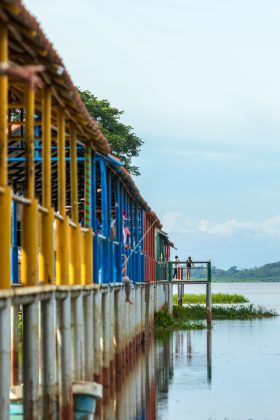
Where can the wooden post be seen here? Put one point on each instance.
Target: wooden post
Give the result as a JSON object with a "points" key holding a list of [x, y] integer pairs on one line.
{"points": [[62, 227], [147, 312], [106, 341], [170, 298], [209, 296], [5, 198], [48, 357], [118, 307], [30, 365], [75, 273], [14, 346], [29, 266], [77, 326], [112, 338], [89, 335], [209, 355], [97, 327], [47, 244], [5, 350], [3, 108], [64, 357]]}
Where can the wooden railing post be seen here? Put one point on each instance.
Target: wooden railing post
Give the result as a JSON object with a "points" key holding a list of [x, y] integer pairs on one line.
{"points": [[47, 232], [62, 226], [209, 295]]}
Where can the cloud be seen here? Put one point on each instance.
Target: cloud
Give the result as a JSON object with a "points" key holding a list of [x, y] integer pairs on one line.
{"points": [[176, 222], [208, 155]]}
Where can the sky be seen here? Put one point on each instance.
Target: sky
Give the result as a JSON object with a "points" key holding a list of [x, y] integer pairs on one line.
{"points": [[198, 81]]}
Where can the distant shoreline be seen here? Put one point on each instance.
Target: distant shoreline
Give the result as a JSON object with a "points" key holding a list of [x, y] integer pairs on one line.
{"points": [[234, 280]]}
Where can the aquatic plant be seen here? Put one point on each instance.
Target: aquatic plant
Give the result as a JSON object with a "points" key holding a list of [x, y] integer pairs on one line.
{"points": [[195, 312], [165, 322], [216, 298]]}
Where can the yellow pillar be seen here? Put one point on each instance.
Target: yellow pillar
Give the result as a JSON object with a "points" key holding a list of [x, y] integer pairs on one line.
{"points": [[47, 236], [47, 110], [61, 161], [5, 235], [75, 254], [87, 246], [62, 252], [47, 248], [74, 175], [5, 198], [62, 226], [75, 232], [29, 266], [29, 142], [87, 257], [3, 108]]}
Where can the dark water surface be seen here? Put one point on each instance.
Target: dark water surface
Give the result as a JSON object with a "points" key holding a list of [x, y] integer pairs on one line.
{"points": [[232, 373]]}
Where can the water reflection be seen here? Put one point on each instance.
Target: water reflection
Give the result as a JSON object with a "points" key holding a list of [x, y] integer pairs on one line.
{"points": [[192, 353], [145, 389], [135, 394]]}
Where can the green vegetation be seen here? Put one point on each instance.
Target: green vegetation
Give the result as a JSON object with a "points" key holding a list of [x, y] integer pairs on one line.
{"points": [[123, 141], [165, 322], [216, 298], [190, 317], [268, 272], [198, 312]]}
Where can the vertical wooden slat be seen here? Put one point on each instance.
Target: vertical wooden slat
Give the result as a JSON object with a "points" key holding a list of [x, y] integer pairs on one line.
{"points": [[3, 108], [29, 266], [47, 234], [74, 175], [62, 227]]}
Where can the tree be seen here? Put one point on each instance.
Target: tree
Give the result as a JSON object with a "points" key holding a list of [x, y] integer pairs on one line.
{"points": [[122, 139]]}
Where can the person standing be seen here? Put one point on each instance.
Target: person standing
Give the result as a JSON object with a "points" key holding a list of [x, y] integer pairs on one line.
{"points": [[126, 280], [175, 267], [189, 265]]}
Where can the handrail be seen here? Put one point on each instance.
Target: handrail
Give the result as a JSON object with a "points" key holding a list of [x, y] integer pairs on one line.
{"points": [[194, 262], [21, 200], [104, 238], [43, 209]]}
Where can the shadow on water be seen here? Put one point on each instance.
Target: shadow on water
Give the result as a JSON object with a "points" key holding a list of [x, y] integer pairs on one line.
{"points": [[146, 386]]}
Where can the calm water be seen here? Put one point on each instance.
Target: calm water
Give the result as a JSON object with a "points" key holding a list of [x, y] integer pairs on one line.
{"points": [[233, 373]]}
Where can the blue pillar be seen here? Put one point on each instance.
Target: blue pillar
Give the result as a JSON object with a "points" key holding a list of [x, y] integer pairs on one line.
{"points": [[118, 230], [93, 219], [36, 154], [133, 257], [104, 221], [137, 238], [14, 249], [142, 233], [122, 222], [110, 245], [127, 224]]}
